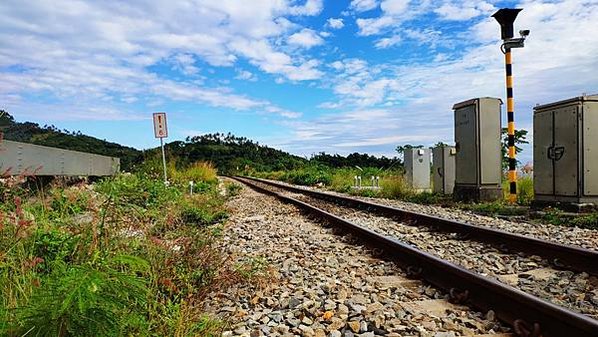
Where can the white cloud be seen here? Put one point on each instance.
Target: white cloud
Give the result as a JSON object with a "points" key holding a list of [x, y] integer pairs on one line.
{"points": [[305, 38], [356, 130], [363, 5], [108, 57], [394, 12], [311, 7], [425, 36], [335, 23], [270, 61], [464, 10], [329, 105], [387, 42], [245, 75], [394, 7], [374, 26], [185, 63]]}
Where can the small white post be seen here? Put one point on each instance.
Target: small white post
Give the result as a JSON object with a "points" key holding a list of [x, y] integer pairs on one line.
{"points": [[191, 187]]}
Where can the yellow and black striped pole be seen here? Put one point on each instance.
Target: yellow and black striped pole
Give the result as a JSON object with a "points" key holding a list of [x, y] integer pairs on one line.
{"points": [[506, 17], [511, 128]]}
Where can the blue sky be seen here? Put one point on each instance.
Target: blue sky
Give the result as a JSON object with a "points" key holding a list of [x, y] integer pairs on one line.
{"points": [[303, 76]]}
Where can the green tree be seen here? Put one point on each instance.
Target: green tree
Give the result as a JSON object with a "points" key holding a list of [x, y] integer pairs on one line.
{"points": [[5, 118], [401, 148], [520, 139]]}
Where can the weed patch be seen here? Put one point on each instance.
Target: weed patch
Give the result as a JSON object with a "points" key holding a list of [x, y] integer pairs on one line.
{"points": [[126, 256]]}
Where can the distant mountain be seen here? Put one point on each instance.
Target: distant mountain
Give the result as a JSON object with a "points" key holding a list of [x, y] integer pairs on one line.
{"points": [[28, 132]]}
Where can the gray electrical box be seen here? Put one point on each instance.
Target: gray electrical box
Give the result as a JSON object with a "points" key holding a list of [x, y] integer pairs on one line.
{"points": [[417, 169], [477, 140], [443, 169], [566, 153]]}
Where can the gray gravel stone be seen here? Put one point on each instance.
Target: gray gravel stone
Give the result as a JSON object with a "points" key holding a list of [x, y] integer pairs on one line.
{"points": [[314, 273]]}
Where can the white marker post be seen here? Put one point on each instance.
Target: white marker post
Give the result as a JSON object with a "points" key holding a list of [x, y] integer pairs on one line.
{"points": [[161, 131]]}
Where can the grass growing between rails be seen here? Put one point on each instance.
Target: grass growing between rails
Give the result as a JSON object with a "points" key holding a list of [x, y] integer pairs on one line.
{"points": [[127, 256]]}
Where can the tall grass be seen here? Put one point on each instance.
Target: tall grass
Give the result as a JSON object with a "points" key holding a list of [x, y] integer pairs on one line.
{"points": [[395, 187], [197, 172], [525, 190], [128, 256]]}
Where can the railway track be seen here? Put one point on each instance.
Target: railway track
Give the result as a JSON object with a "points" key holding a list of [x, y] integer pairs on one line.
{"points": [[527, 313]]}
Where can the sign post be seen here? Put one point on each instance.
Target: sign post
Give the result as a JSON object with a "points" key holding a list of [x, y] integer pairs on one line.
{"points": [[161, 131]]}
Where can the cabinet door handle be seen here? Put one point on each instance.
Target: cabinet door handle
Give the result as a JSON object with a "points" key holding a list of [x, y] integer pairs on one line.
{"points": [[555, 153]]}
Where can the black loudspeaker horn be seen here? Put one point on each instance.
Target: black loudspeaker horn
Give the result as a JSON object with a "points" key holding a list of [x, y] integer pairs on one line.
{"points": [[506, 17]]}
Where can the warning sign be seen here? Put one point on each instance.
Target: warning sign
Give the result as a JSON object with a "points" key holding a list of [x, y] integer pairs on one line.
{"points": [[160, 129]]}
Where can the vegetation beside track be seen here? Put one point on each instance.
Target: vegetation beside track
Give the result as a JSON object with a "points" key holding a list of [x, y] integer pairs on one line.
{"points": [[394, 186], [125, 256], [392, 183]]}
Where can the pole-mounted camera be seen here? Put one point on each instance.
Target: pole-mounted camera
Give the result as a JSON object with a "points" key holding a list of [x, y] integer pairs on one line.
{"points": [[506, 17]]}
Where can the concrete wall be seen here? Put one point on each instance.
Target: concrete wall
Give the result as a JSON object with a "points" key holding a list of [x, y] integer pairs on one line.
{"points": [[27, 159]]}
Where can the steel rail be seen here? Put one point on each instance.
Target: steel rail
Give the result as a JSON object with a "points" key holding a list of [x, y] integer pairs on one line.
{"points": [[511, 305], [571, 257]]}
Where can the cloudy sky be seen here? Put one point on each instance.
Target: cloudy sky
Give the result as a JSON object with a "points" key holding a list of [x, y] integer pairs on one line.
{"points": [[304, 76]]}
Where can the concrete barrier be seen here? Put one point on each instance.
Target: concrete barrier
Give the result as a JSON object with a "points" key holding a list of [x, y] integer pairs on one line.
{"points": [[18, 158]]}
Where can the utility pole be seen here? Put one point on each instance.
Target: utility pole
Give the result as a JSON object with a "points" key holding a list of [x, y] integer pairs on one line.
{"points": [[506, 17]]}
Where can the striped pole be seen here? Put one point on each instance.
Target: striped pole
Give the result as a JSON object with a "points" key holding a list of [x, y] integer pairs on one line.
{"points": [[511, 128]]}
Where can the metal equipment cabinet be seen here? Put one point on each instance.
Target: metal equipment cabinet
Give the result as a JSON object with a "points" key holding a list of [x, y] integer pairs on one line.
{"points": [[477, 140], [566, 153], [443, 169], [417, 167]]}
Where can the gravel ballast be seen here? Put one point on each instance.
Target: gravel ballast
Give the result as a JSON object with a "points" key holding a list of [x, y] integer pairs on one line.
{"points": [[532, 274], [585, 238], [321, 285]]}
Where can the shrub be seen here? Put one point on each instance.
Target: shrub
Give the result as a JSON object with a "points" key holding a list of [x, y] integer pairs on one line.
{"points": [[53, 245], [342, 180], [202, 216], [589, 221], [66, 203], [138, 190], [87, 300], [198, 172], [233, 189], [525, 190], [394, 187], [308, 176]]}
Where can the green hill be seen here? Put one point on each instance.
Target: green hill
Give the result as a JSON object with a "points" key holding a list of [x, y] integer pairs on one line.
{"points": [[230, 153]]}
